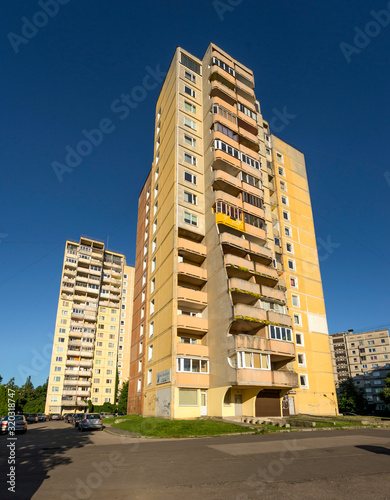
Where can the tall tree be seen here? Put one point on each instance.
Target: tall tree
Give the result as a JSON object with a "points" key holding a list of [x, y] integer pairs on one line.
{"points": [[122, 401], [351, 398], [385, 393]]}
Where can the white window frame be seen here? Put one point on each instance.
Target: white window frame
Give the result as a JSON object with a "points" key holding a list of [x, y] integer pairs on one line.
{"points": [[306, 378]]}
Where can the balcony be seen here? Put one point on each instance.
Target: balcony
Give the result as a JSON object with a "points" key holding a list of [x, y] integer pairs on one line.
{"points": [[75, 342], [221, 90], [234, 244], [226, 182], [228, 198], [247, 122], [256, 232], [278, 350], [252, 314], [82, 373], [196, 380], [256, 191], [224, 161], [81, 383], [191, 298], [252, 209], [266, 275], [279, 319], [193, 274], [216, 70], [238, 267], [191, 250], [267, 378], [273, 294], [248, 139], [84, 362], [237, 224], [244, 291], [191, 324], [192, 349], [260, 253]]}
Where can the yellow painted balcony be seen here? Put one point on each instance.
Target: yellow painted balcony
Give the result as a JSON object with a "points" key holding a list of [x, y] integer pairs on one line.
{"points": [[191, 324], [192, 349], [229, 221], [267, 378], [279, 319], [273, 294], [191, 297]]}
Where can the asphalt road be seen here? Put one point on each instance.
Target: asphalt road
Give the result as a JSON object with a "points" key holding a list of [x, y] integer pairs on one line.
{"points": [[55, 461]]}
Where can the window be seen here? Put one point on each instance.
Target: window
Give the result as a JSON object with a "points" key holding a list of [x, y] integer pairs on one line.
{"points": [[252, 200], [150, 352], [280, 333], [139, 366], [190, 178], [293, 282], [151, 307], [151, 329], [291, 264], [189, 76], [190, 198], [154, 264], [60, 349], [142, 312], [277, 241], [299, 339], [150, 375], [218, 127], [189, 123], [370, 342], [154, 247], [57, 368], [295, 300], [59, 359], [189, 107], [224, 66], [252, 220], [254, 360], [226, 114], [289, 247], [56, 379], [61, 339], [301, 359], [139, 385], [283, 185], [303, 381], [55, 389], [188, 340], [284, 200], [189, 91], [286, 215], [152, 285], [226, 148], [191, 141], [155, 195], [246, 111], [54, 399], [64, 313], [383, 341], [154, 226], [190, 219], [188, 397], [190, 159], [287, 231], [191, 365], [279, 157], [141, 330]]}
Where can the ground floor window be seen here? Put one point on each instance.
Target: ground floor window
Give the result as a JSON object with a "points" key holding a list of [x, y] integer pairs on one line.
{"points": [[188, 397]]}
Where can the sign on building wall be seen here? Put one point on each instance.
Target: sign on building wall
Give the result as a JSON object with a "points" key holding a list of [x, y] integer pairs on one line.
{"points": [[163, 377]]}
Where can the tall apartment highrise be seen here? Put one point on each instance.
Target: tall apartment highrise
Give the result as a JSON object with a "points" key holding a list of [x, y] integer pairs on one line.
{"points": [[364, 357], [93, 327], [229, 315]]}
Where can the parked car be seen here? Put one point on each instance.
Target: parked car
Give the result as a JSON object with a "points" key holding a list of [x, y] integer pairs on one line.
{"points": [[55, 416], [76, 419], [67, 417], [90, 421], [42, 417], [107, 415], [121, 414], [20, 424], [32, 418]]}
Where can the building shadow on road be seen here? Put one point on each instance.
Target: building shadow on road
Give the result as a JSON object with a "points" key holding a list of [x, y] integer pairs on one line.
{"points": [[38, 453], [380, 450]]}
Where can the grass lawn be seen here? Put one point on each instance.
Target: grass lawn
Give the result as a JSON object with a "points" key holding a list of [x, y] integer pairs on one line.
{"points": [[160, 427]]}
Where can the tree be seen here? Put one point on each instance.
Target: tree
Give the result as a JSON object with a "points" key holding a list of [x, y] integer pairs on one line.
{"points": [[385, 393], [351, 398], [90, 406], [122, 400]]}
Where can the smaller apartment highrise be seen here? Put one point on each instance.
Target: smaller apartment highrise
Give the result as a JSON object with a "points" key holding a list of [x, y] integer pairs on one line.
{"points": [[364, 357], [93, 327]]}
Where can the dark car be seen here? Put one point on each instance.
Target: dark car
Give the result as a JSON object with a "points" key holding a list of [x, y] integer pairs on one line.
{"points": [[90, 421], [32, 418], [76, 419], [42, 417], [67, 417]]}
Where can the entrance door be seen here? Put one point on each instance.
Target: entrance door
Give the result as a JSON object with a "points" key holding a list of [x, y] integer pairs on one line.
{"points": [[237, 405], [285, 406], [203, 403]]}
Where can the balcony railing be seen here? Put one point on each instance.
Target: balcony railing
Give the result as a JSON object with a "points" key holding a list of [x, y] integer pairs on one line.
{"points": [[267, 378], [191, 323]]}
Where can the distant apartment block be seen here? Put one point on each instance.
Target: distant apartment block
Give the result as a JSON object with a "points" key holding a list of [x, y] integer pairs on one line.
{"points": [[229, 315], [93, 327], [365, 357]]}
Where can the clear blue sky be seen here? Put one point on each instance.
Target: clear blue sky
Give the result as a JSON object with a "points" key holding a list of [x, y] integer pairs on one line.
{"points": [[65, 78]]}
